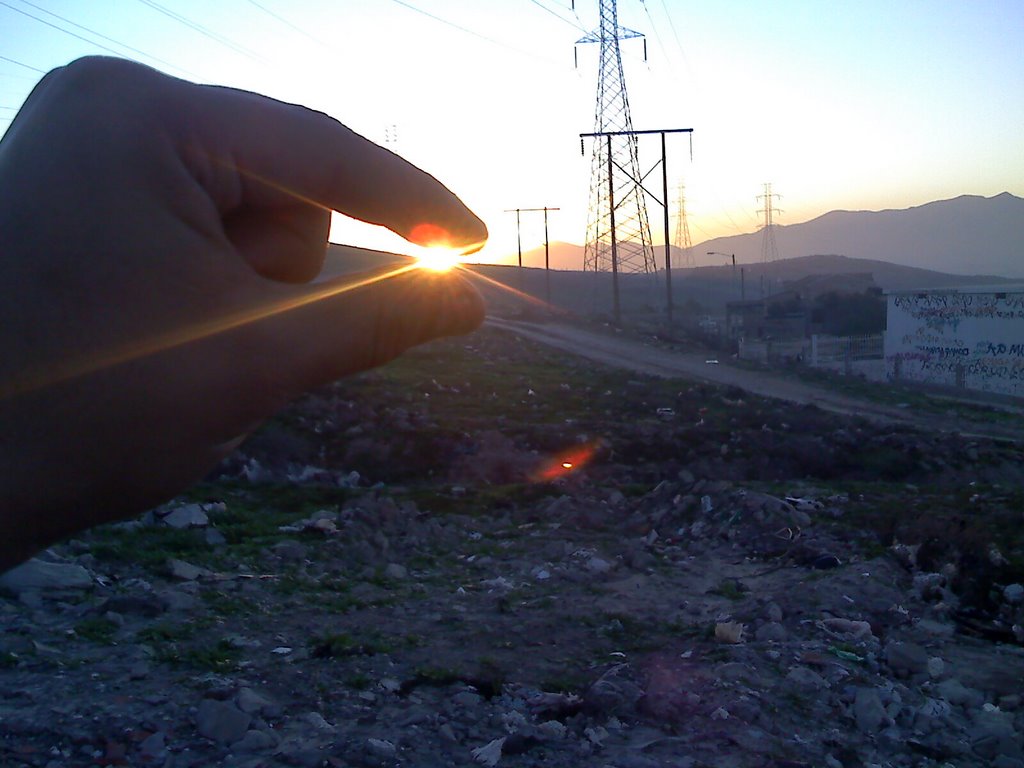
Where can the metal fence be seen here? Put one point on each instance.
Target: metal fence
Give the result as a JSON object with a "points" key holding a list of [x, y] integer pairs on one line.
{"points": [[827, 351]]}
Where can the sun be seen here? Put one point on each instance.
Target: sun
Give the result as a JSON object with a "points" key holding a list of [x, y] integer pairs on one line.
{"points": [[438, 258]]}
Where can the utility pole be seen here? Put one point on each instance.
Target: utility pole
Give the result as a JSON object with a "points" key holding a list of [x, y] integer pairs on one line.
{"points": [[638, 181], [547, 254], [733, 257]]}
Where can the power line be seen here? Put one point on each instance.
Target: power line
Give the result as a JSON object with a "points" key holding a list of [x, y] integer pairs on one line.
{"points": [[22, 64], [197, 27], [61, 29], [459, 27], [105, 37], [287, 23], [573, 24]]}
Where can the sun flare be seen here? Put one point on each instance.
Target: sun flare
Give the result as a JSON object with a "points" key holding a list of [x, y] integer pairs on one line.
{"points": [[438, 259]]}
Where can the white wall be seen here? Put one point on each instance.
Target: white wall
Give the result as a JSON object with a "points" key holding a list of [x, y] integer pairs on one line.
{"points": [[973, 340]]}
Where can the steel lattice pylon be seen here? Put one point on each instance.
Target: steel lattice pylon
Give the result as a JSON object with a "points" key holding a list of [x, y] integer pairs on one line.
{"points": [[682, 239], [634, 250]]}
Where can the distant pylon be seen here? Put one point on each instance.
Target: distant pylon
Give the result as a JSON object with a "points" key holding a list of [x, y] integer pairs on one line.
{"points": [[684, 254], [619, 205], [769, 252]]}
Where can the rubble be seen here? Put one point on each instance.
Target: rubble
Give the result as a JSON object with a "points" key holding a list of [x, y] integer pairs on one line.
{"points": [[663, 603]]}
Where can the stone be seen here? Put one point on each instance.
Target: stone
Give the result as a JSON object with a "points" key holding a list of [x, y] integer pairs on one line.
{"points": [[43, 575], [222, 721], [1013, 593], [187, 516], [290, 550], [936, 666], [185, 571], [490, 753], [251, 702], [467, 699], [867, 711], [255, 741], [153, 747], [396, 572], [807, 678], [552, 729], [382, 747], [906, 658], [855, 630], [771, 632], [955, 692]]}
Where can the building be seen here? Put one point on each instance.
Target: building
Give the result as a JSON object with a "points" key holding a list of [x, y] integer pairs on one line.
{"points": [[971, 337]]}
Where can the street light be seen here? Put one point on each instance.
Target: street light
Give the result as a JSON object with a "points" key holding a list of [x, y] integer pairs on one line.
{"points": [[743, 292]]}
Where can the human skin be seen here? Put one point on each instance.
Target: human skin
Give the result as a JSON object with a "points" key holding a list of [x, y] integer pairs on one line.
{"points": [[157, 243]]}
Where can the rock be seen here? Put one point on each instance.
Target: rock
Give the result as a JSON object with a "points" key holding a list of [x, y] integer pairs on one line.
{"points": [[729, 632], [906, 658], [955, 692], [855, 630], [994, 734], [807, 678], [252, 703], [936, 667], [221, 721], [214, 538], [771, 632], [255, 741], [867, 711], [290, 550], [43, 575], [185, 571], [396, 572], [615, 692], [490, 753], [187, 516], [467, 699], [552, 729], [382, 747], [153, 747], [1013, 593]]}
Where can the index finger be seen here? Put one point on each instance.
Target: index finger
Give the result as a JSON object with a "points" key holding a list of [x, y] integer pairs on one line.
{"points": [[313, 157]]}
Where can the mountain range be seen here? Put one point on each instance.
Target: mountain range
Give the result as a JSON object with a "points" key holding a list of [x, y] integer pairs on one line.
{"points": [[967, 235]]}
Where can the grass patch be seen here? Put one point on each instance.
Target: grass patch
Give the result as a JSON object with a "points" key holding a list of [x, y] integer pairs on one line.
{"points": [[98, 629], [341, 644]]}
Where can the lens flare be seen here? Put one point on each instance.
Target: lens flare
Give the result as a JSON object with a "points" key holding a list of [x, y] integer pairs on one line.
{"points": [[564, 463], [438, 259]]}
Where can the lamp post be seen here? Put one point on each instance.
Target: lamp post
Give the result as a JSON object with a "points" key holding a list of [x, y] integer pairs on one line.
{"points": [[743, 292]]}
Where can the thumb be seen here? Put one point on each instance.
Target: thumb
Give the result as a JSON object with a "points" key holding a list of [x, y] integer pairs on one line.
{"points": [[334, 328]]}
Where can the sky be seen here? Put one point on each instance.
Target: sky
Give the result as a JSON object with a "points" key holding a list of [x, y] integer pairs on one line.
{"points": [[856, 106]]}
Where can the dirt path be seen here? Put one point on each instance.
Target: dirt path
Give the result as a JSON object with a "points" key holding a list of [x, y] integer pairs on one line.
{"points": [[643, 358]]}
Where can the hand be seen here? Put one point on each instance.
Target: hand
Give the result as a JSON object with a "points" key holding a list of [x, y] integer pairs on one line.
{"points": [[157, 242]]}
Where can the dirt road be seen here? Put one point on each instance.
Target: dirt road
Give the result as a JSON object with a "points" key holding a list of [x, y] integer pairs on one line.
{"points": [[623, 352]]}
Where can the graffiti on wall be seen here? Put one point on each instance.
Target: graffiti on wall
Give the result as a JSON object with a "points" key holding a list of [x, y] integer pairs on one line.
{"points": [[964, 340]]}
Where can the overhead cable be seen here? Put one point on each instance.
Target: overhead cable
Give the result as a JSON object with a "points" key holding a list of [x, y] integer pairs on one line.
{"points": [[215, 36], [105, 37]]}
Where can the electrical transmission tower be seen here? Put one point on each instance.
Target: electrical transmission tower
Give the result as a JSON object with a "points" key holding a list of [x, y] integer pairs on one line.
{"points": [[769, 252], [618, 232], [682, 239]]}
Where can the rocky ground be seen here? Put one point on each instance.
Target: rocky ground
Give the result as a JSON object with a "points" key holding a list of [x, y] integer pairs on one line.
{"points": [[489, 553]]}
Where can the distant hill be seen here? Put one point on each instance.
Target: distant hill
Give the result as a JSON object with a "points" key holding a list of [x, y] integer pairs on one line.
{"points": [[967, 235], [712, 287]]}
